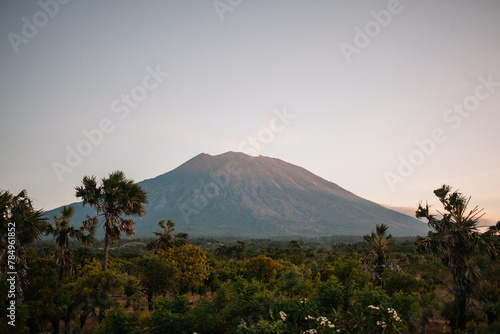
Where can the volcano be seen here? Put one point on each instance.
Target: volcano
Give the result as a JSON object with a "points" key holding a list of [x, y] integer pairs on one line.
{"points": [[233, 194]]}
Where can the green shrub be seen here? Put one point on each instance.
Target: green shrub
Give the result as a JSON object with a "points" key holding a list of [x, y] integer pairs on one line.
{"points": [[171, 316], [396, 281], [368, 295], [117, 322], [329, 295], [292, 283]]}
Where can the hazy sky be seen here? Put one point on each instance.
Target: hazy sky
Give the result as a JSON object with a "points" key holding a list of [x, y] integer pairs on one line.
{"points": [[388, 99]]}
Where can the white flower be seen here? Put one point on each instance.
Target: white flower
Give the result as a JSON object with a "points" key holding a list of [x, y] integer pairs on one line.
{"points": [[381, 323], [323, 321], [282, 315], [398, 319]]}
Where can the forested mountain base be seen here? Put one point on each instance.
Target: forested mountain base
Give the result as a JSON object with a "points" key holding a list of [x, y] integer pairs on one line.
{"points": [[255, 286], [447, 281]]}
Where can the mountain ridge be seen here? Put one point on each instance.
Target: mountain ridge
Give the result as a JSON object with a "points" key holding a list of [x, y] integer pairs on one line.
{"points": [[233, 194]]}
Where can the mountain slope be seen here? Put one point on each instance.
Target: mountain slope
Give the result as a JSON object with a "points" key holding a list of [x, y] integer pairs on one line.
{"points": [[238, 195]]}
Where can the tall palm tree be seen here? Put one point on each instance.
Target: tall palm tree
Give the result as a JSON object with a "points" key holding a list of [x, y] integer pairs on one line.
{"points": [[455, 240], [377, 246], [18, 215], [114, 198], [62, 230]]}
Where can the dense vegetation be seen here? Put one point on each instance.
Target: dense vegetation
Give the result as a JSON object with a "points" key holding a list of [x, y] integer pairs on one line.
{"points": [[446, 281]]}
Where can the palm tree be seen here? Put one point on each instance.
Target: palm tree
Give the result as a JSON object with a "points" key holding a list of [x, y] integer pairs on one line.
{"points": [[164, 239], [167, 239], [115, 197], [62, 232], [18, 218], [455, 241], [377, 246]]}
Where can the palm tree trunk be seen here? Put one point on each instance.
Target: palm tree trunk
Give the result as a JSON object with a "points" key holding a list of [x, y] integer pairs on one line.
{"points": [[104, 268], [150, 301], [61, 272], [101, 311], [105, 250], [55, 325], [425, 320], [67, 326], [461, 311], [460, 293], [67, 320]]}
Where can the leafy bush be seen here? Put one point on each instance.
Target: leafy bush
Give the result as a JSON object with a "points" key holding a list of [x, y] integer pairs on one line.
{"points": [[396, 281], [171, 316], [369, 295], [262, 268], [292, 283], [329, 295], [117, 322]]}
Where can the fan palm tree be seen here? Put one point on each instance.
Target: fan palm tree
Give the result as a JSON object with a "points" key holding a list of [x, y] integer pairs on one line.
{"points": [[164, 239], [18, 215], [167, 239], [455, 240], [62, 230], [377, 246], [114, 198]]}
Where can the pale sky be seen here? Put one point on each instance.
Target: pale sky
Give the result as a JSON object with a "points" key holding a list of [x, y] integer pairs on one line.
{"points": [[364, 81]]}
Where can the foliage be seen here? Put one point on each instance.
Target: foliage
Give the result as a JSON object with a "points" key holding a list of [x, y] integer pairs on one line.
{"points": [[45, 297], [116, 196], [191, 264], [262, 268], [118, 322], [24, 225], [368, 295], [455, 240], [329, 295], [396, 281], [167, 239], [171, 316], [158, 276], [377, 246], [256, 286], [293, 284], [234, 251], [62, 232]]}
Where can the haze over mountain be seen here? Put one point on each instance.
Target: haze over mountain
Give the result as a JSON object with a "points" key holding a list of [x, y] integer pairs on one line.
{"points": [[234, 194]]}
